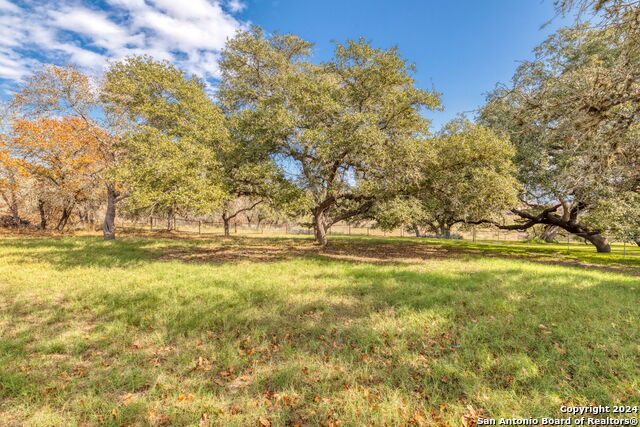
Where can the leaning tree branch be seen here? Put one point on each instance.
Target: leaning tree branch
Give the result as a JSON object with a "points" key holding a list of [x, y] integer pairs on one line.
{"points": [[364, 207]]}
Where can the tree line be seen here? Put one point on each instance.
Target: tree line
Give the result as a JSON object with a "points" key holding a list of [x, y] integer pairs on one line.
{"points": [[342, 140]]}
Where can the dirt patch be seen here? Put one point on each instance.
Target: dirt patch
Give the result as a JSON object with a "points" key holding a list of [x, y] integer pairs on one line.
{"points": [[245, 249], [273, 250]]}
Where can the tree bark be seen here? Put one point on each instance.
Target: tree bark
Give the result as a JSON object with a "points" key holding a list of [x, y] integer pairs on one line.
{"points": [[226, 221], [227, 217], [549, 217], [66, 213], [319, 226], [109, 224], [43, 214], [416, 230], [15, 213], [171, 218], [600, 242], [12, 203], [444, 229]]}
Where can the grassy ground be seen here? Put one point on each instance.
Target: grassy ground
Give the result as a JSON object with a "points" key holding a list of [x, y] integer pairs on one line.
{"points": [[152, 331]]}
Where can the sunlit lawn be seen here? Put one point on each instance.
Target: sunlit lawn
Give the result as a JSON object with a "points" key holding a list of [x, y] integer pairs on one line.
{"points": [[245, 331], [628, 254]]}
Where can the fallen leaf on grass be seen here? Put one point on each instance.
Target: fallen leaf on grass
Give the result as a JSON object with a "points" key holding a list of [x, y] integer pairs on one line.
{"points": [[184, 397], [202, 364], [129, 397], [417, 418], [47, 390], [470, 417], [264, 422], [153, 418], [543, 329], [204, 420], [241, 381], [134, 346], [559, 349]]}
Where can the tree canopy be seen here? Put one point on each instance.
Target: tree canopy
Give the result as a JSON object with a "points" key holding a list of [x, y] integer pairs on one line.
{"points": [[467, 176], [349, 129], [573, 114], [346, 139]]}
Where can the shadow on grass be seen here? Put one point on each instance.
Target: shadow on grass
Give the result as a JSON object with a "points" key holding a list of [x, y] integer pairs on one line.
{"points": [[134, 248], [452, 338]]}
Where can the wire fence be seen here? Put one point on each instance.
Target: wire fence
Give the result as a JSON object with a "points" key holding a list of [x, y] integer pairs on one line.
{"points": [[481, 235], [344, 229]]}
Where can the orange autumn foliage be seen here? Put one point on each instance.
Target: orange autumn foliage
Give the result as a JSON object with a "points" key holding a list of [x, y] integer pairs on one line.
{"points": [[9, 166], [61, 155], [55, 149]]}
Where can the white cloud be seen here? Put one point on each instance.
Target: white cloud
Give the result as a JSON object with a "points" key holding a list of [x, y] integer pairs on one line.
{"points": [[236, 6], [188, 33], [192, 9], [94, 25], [5, 5]]}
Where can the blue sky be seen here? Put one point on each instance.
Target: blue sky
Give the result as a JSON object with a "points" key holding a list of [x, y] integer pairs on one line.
{"points": [[461, 48]]}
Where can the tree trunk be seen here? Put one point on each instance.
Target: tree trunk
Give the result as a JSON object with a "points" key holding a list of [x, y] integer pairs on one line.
{"points": [[15, 214], [600, 242], [171, 218], [66, 213], [444, 230], [12, 203], [638, 242], [43, 215], [226, 222], [549, 234], [548, 217], [319, 227], [109, 224], [416, 229]]}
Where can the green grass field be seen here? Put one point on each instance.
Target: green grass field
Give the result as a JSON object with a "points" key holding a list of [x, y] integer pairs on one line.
{"points": [[274, 331]]}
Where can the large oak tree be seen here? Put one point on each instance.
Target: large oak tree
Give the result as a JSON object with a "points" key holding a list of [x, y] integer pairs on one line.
{"points": [[573, 114], [467, 176], [174, 137], [348, 131]]}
